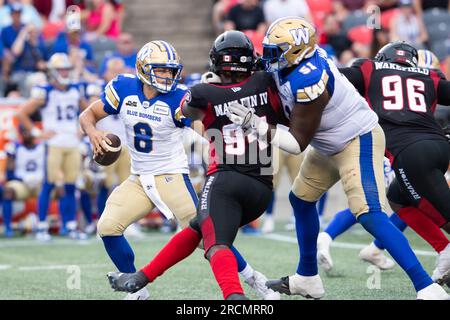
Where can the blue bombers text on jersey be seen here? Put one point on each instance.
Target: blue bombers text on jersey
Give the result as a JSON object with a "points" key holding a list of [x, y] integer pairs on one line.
{"points": [[154, 136]]}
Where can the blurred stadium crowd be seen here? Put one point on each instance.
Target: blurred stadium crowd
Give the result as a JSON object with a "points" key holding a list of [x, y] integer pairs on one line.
{"points": [[91, 33]]}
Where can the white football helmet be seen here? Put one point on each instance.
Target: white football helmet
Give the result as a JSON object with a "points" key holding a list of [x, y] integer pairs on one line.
{"points": [[60, 68], [158, 54]]}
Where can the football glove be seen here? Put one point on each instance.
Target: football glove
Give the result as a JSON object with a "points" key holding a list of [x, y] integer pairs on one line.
{"points": [[246, 118], [210, 77]]}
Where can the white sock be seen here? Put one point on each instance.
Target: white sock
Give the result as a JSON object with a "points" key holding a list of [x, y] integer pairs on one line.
{"points": [[247, 273]]}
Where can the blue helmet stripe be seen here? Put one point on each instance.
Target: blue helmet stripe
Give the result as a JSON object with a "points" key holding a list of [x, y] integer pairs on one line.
{"points": [[170, 54]]}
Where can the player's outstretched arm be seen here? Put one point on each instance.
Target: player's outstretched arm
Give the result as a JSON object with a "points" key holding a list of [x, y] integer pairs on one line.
{"points": [[191, 112], [88, 120], [304, 121]]}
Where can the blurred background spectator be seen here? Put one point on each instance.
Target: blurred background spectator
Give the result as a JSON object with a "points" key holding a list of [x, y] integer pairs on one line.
{"points": [[104, 18], [126, 50], [71, 38], [408, 26], [423, 5], [246, 15], [276, 9], [334, 36], [28, 13], [219, 13]]}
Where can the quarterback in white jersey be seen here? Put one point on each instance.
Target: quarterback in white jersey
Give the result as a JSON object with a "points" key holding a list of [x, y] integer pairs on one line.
{"points": [[119, 171], [60, 103], [326, 111], [25, 172], [146, 104]]}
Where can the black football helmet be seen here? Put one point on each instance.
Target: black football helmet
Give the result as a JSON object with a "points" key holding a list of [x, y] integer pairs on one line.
{"points": [[398, 52], [232, 51]]}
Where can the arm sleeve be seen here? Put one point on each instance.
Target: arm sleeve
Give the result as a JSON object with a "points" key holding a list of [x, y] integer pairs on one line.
{"points": [[355, 76], [443, 92], [38, 92]]}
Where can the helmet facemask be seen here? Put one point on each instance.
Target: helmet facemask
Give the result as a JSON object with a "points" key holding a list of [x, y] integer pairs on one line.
{"points": [[162, 84], [62, 80], [273, 58]]}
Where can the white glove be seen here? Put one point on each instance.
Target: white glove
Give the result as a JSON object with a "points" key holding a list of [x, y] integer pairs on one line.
{"points": [[246, 118], [210, 77]]}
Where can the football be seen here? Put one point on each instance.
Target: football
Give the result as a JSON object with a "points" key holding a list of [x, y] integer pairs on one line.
{"points": [[113, 153]]}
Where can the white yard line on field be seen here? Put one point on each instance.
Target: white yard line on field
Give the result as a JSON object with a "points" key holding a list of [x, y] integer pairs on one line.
{"points": [[30, 242], [61, 267], [338, 244]]}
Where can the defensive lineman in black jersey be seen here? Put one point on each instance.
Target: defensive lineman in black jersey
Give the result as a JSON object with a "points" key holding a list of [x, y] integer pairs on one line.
{"points": [[239, 183], [404, 97], [239, 179]]}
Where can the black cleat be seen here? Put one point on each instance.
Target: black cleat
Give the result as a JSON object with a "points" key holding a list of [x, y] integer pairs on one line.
{"points": [[237, 296], [127, 282], [280, 285]]}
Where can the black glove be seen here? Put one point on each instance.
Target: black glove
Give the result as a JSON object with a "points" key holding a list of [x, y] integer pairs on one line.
{"points": [[259, 65]]}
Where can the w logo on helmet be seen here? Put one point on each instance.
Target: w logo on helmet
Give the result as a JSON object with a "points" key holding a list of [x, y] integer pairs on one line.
{"points": [[300, 35]]}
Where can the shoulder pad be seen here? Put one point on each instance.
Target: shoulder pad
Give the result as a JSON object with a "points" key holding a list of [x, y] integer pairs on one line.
{"points": [[94, 89], [118, 87], [359, 62], [11, 148], [39, 92], [309, 80]]}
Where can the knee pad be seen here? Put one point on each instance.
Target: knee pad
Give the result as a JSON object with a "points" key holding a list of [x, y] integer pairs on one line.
{"points": [[109, 227], [305, 191]]}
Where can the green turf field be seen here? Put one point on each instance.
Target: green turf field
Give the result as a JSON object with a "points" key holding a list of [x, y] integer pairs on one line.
{"points": [[31, 270]]}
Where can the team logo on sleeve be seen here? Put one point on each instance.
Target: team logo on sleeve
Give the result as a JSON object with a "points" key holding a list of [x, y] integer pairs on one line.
{"points": [[111, 96]]}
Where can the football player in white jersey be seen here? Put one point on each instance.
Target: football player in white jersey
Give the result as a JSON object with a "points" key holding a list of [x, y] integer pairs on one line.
{"points": [[59, 103], [146, 104], [119, 171], [327, 112], [25, 172]]}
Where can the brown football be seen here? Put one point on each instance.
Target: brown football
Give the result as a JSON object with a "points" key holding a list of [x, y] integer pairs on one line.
{"points": [[113, 153]]}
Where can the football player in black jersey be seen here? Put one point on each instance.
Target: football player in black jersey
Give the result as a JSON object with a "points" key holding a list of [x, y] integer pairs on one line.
{"points": [[405, 96], [239, 179]]}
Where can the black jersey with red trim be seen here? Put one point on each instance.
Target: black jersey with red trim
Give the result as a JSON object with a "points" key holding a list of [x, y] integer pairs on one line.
{"points": [[230, 147], [404, 99]]}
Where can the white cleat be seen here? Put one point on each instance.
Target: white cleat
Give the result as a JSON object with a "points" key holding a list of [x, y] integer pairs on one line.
{"points": [[91, 228], [441, 273], [309, 287], [134, 231], [258, 283], [269, 224], [77, 235], [432, 292], [138, 295], [43, 236], [376, 256], [323, 251]]}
